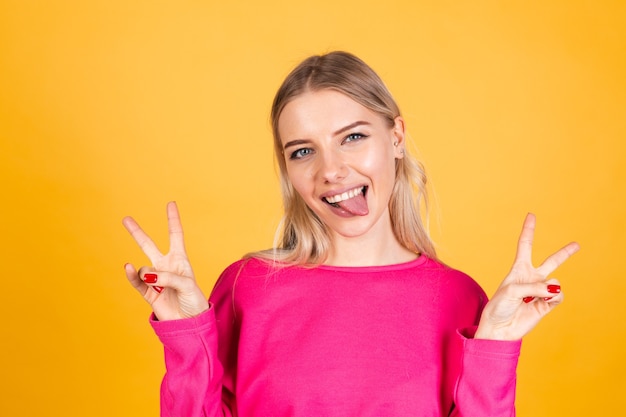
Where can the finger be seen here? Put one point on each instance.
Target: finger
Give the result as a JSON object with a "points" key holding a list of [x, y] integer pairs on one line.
{"points": [[162, 279], [148, 276], [175, 226], [554, 301], [143, 240], [534, 291], [134, 279], [553, 261], [525, 242], [143, 271]]}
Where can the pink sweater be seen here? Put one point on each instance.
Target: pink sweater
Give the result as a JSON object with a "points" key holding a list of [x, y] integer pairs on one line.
{"points": [[338, 341]]}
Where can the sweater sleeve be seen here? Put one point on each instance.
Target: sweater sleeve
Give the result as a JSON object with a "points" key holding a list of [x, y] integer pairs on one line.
{"points": [[487, 376], [192, 386]]}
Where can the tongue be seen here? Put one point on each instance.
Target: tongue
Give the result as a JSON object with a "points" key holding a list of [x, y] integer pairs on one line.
{"points": [[356, 205]]}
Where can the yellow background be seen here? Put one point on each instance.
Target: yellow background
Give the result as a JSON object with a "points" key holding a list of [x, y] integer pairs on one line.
{"points": [[115, 107]]}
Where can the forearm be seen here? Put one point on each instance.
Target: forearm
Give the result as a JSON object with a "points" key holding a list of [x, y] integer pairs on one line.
{"points": [[487, 377], [192, 385]]}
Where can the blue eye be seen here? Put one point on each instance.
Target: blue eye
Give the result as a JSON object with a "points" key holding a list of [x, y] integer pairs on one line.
{"points": [[300, 153], [352, 137]]}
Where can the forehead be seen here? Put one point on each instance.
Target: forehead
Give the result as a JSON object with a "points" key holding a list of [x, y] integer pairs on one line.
{"points": [[316, 113]]}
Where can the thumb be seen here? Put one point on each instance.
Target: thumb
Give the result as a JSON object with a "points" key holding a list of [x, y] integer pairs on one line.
{"points": [[148, 277], [546, 290]]}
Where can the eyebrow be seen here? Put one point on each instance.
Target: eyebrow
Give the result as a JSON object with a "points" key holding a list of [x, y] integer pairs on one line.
{"points": [[338, 132], [351, 126], [296, 143]]}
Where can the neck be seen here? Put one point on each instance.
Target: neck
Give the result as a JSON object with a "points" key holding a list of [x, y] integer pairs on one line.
{"points": [[377, 247]]}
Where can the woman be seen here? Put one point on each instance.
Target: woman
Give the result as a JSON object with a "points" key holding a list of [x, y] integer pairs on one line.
{"points": [[351, 314]]}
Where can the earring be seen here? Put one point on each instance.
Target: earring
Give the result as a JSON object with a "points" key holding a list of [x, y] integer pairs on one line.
{"points": [[395, 143]]}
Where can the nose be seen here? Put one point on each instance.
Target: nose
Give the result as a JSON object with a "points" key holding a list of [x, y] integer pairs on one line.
{"points": [[332, 168]]}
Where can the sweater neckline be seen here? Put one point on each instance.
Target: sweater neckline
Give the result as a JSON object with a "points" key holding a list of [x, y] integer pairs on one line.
{"points": [[421, 259]]}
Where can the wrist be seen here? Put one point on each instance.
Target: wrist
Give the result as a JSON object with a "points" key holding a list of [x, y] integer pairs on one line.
{"points": [[493, 333]]}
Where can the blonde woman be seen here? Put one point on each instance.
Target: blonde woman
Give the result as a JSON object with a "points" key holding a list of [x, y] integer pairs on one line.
{"points": [[351, 314]]}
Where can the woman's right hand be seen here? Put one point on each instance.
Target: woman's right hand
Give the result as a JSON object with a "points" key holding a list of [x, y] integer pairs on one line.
{"points": [[169, 285]]}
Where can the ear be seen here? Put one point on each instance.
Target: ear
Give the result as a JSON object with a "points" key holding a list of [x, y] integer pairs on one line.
{"points": [[398, 137]]}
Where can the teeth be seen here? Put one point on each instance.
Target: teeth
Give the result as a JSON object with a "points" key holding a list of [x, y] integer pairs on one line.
{"points": [[344, 196]]}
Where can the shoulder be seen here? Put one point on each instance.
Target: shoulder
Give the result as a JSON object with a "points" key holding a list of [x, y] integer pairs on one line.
{"points": [[434, 266], [246, 267], [247, 280], [252, 266], [460, 299], [453, 279]]}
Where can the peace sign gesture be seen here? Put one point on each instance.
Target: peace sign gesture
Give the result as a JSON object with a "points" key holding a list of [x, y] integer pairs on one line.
{"points": [[526, 295], [168, 285]]}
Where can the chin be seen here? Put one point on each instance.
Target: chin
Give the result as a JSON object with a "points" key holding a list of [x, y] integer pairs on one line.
{"points": [[353, 228]]}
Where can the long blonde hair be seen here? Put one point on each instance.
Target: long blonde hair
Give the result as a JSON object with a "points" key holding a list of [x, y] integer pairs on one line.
{"points": [[302, 237]]}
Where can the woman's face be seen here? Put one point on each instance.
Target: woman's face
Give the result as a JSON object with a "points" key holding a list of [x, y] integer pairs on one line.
{"points": [[340, 157]]}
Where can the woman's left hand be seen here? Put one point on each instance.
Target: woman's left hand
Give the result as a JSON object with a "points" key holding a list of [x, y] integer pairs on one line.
{"points": [[526, 295]]}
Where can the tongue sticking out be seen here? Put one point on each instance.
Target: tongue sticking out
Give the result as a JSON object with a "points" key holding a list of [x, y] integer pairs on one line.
{"points": [[356, 205]]}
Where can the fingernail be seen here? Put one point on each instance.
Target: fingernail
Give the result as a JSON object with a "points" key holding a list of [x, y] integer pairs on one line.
{"points": [[554, 289], [528, 299], [150, 278], [158, 289], [547, 298]]}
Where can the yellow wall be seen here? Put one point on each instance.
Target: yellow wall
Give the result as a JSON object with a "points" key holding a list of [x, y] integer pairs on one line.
{"points": [[114, 107]]}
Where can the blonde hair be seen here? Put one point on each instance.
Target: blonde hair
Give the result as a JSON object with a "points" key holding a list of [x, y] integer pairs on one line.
{"points": [[302, 237]]}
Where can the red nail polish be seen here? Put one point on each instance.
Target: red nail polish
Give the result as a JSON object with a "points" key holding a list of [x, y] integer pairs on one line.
{"points": [[150, 278], [528, 299], [547, 298], [158, 289], [554, 289]]}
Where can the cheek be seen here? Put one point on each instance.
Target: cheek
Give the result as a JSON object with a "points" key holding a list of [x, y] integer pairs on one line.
{"points": [[299, 179], [379, 163]]}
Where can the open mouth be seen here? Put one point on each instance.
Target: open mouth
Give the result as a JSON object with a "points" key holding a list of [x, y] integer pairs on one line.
{"points": [[336, 199]]}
